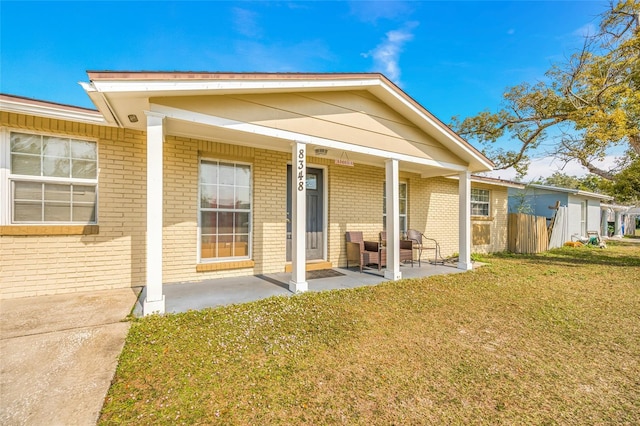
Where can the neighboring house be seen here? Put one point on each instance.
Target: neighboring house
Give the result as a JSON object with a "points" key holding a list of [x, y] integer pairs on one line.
{"points": [[619, 220], [188, 176], [583, 209]]}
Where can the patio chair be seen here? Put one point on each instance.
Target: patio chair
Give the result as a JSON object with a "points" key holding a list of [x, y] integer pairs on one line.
{"points": [[406, 248], [418, 241], [363, 252], [595, 239]]}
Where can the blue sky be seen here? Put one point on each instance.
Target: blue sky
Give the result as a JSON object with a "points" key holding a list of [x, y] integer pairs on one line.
{"points": [[454, 57]]}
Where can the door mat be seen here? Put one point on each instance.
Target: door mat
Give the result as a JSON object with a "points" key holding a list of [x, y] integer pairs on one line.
{"points": [[323, 273]]}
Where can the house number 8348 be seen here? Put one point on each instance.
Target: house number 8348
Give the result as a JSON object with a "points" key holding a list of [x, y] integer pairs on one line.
{"points": [[301, 170]]}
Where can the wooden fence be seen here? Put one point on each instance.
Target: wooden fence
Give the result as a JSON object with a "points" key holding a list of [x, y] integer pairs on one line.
{"points": [[527, 233]]}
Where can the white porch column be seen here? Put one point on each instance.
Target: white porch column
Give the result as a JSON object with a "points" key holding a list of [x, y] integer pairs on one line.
{"points": [[604, 223], [298, 281], [154, 301], [392, 183], [464, 241], [618, 224]]}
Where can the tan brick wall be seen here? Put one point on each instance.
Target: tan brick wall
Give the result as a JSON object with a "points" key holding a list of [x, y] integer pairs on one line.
{"points": [[497, 220], [433, 210], [114, 258], [270, 210], [355, 204]]}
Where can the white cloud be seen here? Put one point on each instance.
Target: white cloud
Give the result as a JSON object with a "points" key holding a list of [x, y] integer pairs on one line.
{"points": [[277, 57], [245, 22], [544, 167], [587, 30], [386, 55], [372, 11]]}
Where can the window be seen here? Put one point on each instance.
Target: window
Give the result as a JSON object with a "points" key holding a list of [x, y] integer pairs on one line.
{"points": [[402, 198], [52, 179], [479, 202], [225, 210]]}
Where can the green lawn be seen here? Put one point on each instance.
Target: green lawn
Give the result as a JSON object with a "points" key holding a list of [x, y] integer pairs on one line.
{"points": [[548, 339]]}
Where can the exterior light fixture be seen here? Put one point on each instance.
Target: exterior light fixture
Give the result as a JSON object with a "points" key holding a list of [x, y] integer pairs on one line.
{"points": [[133, 118], [321, 151]]}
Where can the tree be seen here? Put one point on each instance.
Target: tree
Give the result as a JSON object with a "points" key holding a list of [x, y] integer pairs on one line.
{"points": [[586, 105], [590, 182], [626, 185]]}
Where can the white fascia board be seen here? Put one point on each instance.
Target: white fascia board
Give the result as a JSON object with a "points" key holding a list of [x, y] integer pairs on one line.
{"points": [[164, 86], [615, 207], [435, 125], [50, 111], [594, 195], [571, 191], [101, 103], [210, 120], [478, 179]]}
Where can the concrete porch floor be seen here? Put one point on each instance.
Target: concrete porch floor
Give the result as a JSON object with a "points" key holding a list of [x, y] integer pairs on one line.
{"points": [[182, 297]]}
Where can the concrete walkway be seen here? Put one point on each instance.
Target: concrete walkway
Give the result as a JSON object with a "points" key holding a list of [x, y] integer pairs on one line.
{"points": [[58, 355]]}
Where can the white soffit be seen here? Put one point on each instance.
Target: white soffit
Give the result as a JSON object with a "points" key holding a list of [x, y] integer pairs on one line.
{"points": [[49, 110]]}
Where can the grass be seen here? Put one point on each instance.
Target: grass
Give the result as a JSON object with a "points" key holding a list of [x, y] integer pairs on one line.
{"points": [[547, 339]]}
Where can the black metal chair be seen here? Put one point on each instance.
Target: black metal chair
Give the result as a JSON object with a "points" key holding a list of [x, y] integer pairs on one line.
{"points": [[418, 239]]}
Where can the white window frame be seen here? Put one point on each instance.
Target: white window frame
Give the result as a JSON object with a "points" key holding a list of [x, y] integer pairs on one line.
{"points": [[200, 210], [7, 178], [476, 202], [404, 215]]}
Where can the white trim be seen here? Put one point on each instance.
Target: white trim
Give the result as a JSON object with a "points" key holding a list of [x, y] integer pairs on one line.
{"points": [[392, 185], [154, 300], [325, 202], [571, 191], [298, 282], [437, 126], [38, 108], [217, 86], [211, 120], [5, 167], [325, 219], [488, 202], [249, 256], [464, 222], [406, 211], [494, 181], [6, 211]]}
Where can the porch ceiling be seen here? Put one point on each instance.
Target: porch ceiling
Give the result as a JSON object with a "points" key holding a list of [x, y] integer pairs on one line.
{"points": [[202, 131]]}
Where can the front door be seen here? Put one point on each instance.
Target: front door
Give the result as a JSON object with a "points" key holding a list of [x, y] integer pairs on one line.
{"points": [[315, 214]]}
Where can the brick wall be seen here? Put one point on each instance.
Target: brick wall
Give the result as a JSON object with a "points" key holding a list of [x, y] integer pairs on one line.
{"points": [[355, 205], [114, 258], [433, 210], [496, 222]]}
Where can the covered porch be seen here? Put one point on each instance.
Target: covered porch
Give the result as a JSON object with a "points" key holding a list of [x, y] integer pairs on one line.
{"points": [[212, 293], [360, 132]]}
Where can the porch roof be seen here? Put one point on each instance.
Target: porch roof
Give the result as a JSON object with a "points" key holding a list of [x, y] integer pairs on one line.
{"points": [[431, 148]]}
